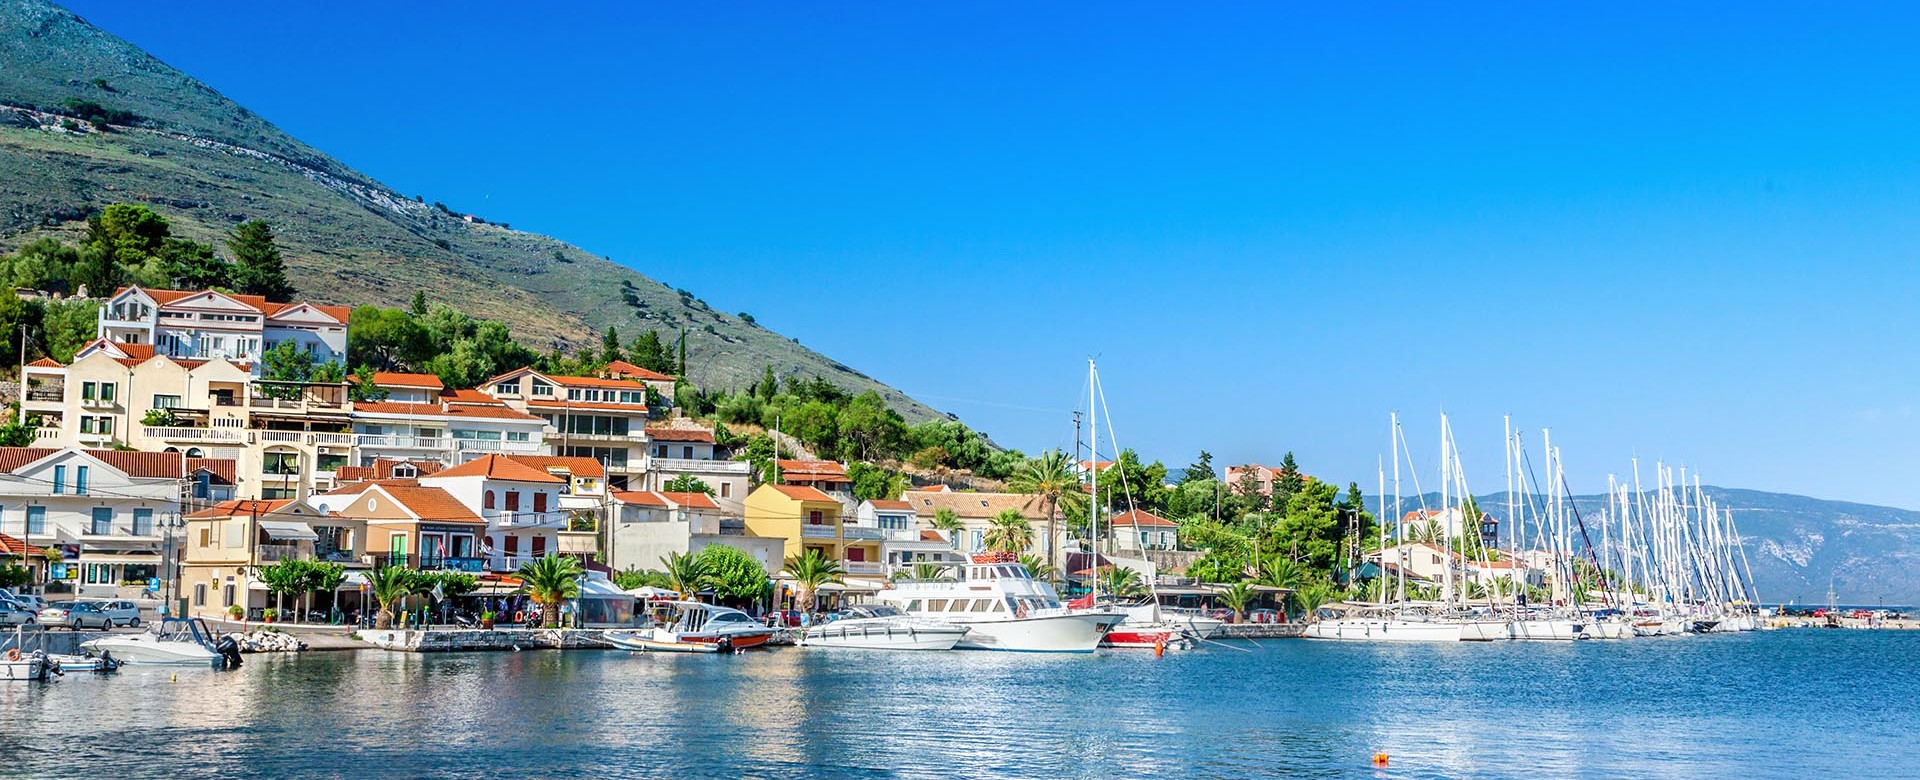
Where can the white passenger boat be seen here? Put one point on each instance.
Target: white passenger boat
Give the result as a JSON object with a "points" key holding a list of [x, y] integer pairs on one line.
{"points": [[172, 641], [883, 627], [695, 627], [1004, 608]]}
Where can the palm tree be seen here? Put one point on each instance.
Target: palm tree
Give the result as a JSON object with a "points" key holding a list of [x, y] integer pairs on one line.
{"points": [[928, 572], [1041, 570], [1236, 597], [1009, 532], [550, 581], [1280, 571], [390, 586], [686, 574], [1428, 532], [1122, 581], [810, 570], [1311, 595], [945, 519], [1051, 477]]}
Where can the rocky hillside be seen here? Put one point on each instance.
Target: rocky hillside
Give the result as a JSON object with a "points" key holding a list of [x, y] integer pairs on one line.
{"points": [[207, 163]]}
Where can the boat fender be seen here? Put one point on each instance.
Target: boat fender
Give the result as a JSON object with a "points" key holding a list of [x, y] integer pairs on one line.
{"points": [[519, 617], [1380, 759]]}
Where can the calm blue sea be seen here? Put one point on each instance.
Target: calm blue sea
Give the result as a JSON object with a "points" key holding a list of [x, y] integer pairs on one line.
{"points": [[1786, 704]]}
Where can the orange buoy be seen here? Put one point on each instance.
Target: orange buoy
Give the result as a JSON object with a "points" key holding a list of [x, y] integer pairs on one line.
{"points": [[1379, 759], [1160, 646]]}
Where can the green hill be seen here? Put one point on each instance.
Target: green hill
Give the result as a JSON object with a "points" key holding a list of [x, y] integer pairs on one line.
{"points": [[208, 163]]}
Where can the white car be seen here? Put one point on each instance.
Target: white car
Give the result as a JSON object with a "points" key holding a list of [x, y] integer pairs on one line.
{"points": [[123, 613], [14, 613]]}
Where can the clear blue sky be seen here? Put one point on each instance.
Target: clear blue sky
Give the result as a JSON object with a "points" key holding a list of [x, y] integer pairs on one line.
{"points": [[1687, 234]]}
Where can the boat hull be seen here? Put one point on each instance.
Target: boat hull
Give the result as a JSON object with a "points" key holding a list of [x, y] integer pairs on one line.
{"points": [[1550, 630], [883, 635], [1381, 630], [27, 668], [1485, 631], [1074, 633], [140, 651], [1128, 636]]}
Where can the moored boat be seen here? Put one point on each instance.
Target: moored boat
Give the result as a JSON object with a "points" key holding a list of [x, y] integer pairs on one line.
{"points": [[695, 628], [883, 627], [1004, 608], [172, 641]]}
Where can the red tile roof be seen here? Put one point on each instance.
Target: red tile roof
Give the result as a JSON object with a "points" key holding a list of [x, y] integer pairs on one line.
{"points": [[931, 536], [223, 469], [431, 503], [255, 302], [578, 467], [242, 507], [469, 396], [45, 362], [621, 369], [134, 464], [595, 381], [812, 471], [696, 500], [396, 379], [382, 468], [881, 503], [931, 489], [499, 467], [680, 434], [18, 548], [802, 493], [1138, 519]]}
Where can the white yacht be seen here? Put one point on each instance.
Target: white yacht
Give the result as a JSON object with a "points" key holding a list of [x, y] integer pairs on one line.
{"points": [[1549, 626], [1383, 625], [883, 627], [1004, 608], [171, 641], [1151, 614]]}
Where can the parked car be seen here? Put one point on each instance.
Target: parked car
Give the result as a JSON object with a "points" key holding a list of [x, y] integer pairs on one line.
{"points": [[785, 617], [32, 602], [1263, 616], [125, 613], [14, 613], [1221, 613], [75, 615]]}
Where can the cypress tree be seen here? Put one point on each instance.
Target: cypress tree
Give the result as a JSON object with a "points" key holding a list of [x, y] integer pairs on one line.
{"points": [[258, 267]]}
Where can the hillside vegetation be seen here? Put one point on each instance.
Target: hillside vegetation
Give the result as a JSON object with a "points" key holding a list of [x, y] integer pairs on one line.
{"points": [[88, 120]]}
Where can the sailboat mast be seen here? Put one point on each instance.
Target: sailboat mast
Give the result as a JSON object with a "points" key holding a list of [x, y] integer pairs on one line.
{"points": [[1093, 479]]}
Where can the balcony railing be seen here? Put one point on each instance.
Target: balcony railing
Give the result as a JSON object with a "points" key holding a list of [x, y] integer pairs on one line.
{"points": [[333, 438], [864, 567], [446, 562], [403, 442], [269, 553], [194, 434], [862, 533], [54, 394], [809, 531], [287, 436], [490, 445], [698, 466]]}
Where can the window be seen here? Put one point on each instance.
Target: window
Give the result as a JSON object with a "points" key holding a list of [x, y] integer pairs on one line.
{"points": [[486, 502], [660, 451], [36, 520], [206, 537], [166, 402], [142, 522], [539, 546], [104, 426], [80, 480], [507, 388], [102, 520], [687, 452], [726, 489], [815, 517], [60, 474], [540, 502], [226, 593], [573, 395], [200, 594], [277, 493], [976, 540], [518, 436], [281, 463], [513, 500], [89, 391], [542, 389], [936, 605]]}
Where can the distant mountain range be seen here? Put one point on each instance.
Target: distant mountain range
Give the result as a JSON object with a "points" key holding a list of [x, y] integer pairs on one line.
{"points": [[207, 163], [1796, 544]]}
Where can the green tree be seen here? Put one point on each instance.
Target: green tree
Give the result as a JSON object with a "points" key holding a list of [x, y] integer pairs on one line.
{"points": [[769, 385], [285, 578], [386, 339], [686, 574], [1200, 470], [550, 581], [870, 429], [322, 577], [1039, 568], [947, 520], [649, 353], [15, 432], [809, 571], [735, 575], [390, 586], [1122, 582], [1289, 481], [67, 326], [1009, 532], [635, 577], [610, 346], [1237, 597], [872, 483], [258, 266], [418, 307], [126, 235], [687, 483], [1051, 477]]}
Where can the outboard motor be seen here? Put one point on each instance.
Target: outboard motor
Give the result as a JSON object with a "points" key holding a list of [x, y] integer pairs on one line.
{"points": [[229, 651]]}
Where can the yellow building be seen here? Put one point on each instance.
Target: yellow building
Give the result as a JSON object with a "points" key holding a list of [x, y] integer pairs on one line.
{"points": [[809, 519], [226, 546]]}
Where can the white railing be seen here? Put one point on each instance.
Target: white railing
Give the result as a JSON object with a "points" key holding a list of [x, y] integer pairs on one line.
{"points": [[289, 436], [407, 442], [696, 466], [193, 434], [817, 531], [864, 567], [862, 533], [490, 445], [333, 438], [46, 433]]}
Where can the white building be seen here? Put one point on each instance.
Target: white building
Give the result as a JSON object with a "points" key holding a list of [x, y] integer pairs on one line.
{"points": [[521, 506], [1135, 530], [649, 525], [676, 451], [106, 511], [903, 540], [209, 325]]}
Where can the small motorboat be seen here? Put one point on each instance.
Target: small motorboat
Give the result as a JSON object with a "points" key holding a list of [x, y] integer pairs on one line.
{"points": [[1148, 637], [81, 663], [883, 627], [15, 665], [172, 641], [695, 627]]}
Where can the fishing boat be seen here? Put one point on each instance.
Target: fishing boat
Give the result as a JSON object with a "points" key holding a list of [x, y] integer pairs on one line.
{"points": [[172, 641], [883, 627], [695, 627], [15, 665], [1004, 608]]}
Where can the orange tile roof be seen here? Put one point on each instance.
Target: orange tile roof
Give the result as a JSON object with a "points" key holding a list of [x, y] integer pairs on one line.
{"points": [[45, 362], [594, 381], [382, 468], [15, 547], [136, 464], [931, 489], [499, 467], [696, 500], [431, 503], [223, 469], [578, 467], [469, 396], [242, 507], [880, 503], [624, 370], [361, 486], [1138, 519], [397, 379], [256, 302], [680, 434], [931, 536], [501, 412], [802, 493], [640, 497]]}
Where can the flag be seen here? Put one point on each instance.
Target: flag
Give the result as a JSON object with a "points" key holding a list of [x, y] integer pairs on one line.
{"points": [[1084, 602], [438, 594]]}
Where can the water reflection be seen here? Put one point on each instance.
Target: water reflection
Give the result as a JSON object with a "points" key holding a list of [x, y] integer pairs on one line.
{"points": [[1706, 707]]}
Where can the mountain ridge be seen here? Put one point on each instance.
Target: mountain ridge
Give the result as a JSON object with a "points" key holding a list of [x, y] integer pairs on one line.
{"points": [[208, 163]]}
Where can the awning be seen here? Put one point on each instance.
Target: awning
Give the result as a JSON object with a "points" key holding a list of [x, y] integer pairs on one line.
{"points": [[287, 529], [144, 558], [354, 580]]}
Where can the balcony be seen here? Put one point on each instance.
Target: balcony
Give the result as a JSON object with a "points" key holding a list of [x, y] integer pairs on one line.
{"points": [[98, 403], [809, 531], [270, 553], [860, 533], [868, 568], [47, 394], [195, 434], [334, 438], [403, 442], [489, 445], [430, 562], [633, 439], [290, 437], [697, 466]]}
